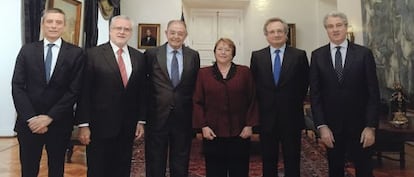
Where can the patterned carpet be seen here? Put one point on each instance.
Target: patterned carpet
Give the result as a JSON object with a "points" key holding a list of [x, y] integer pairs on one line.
{"points": [[313, 160]]}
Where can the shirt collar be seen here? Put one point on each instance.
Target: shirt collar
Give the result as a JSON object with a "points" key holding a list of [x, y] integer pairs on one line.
{"points": [[343, 45], [57, 43], [282, 49], [115, 48], [170, 49]]}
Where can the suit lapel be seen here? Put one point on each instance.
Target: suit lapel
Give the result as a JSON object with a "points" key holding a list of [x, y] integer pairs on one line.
{"points": [[134, 66], [186, 64], [59, 60], [109, 57], [266, 61], [162, 61], [350, 55], [286, 66], [40, 59], [328, 62]]}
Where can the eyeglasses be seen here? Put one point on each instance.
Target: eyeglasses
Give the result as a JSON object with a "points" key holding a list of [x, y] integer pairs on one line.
{"points": [[178, 33], [120, 28], [338, 25], [275, 32]]}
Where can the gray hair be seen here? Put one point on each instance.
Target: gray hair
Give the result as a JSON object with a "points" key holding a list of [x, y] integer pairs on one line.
{"points": [[121, 17], [340, 15], [275, 19], [177, 21]]}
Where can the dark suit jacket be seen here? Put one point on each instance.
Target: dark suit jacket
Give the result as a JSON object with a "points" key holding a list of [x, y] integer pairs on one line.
{"points": [[105, 104], [354, 104], [163, 96], [32, 95], [281, 104]]}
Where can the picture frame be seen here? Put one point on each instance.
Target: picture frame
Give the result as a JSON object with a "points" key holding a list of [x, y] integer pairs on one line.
{"points": [[73, 13], [148, 35], [291, 35]]}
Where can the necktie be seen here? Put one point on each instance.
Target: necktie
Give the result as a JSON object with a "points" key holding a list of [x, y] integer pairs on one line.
{"points": [[122, 69], [276, 67], [338, 64], [174, 70], [48, 62]]}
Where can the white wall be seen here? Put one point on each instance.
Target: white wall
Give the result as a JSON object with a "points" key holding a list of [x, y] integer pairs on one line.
{"points": [[154, 11], [103, 29], [12, 41], [307, 15], [352, 8], [323, 7]]}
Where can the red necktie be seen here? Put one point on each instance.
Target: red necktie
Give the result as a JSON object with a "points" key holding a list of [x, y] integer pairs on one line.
{"points": [[122, 69]]}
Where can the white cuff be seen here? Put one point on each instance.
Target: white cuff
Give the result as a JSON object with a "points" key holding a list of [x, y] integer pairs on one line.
{"points": [[83, 125]]}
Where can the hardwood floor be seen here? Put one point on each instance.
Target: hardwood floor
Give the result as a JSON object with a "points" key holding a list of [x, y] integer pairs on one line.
{"points": [[10, 167], [392, 168]]}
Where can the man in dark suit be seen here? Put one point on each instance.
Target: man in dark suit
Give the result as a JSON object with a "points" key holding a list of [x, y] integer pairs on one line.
{"points": [[344, 98], [112, 102], [281, 75], [172, 72], [148, 39], [46, 84]]}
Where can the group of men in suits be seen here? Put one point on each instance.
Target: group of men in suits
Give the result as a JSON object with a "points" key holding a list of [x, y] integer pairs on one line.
{"points": [[344, 98], [118, 90], [111, 85]]}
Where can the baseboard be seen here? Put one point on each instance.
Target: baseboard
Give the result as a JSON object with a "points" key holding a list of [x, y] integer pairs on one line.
{"points": [[7, 133]]}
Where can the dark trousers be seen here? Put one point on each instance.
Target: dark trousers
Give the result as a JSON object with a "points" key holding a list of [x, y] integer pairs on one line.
{"points": [[173, 143], [227, 157], [109, 157], [347, 146], [31, 146], [290, 141]]}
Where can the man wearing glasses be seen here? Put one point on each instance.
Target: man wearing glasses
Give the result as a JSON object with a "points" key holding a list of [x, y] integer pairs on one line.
{"points": [[111, 110]]}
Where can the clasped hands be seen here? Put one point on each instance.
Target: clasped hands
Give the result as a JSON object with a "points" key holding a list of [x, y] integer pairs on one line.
{"points": [[367, 137], [38, 124]]}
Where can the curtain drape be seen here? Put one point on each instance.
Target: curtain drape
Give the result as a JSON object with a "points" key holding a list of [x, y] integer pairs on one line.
{"points": [[32, 15], [91, 23]]}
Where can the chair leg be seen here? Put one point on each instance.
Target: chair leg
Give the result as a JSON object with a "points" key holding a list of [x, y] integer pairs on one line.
{"points": [[402, 160], [69, 153], [379, 158]]}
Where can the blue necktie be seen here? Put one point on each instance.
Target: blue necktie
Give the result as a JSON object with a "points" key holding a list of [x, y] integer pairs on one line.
{"points": [[48, 62], [276, 67], [338, 64], [174, 70]]}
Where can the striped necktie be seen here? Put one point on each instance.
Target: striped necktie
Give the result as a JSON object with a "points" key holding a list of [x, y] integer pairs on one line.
{"points": [[122, 68], [175, 76], [338, 64]]}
